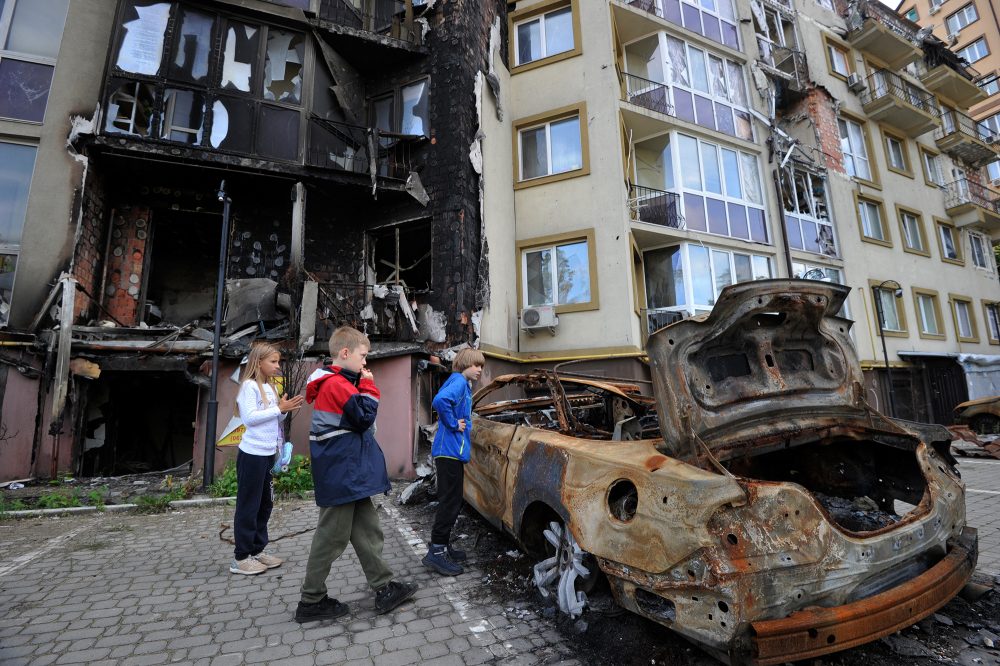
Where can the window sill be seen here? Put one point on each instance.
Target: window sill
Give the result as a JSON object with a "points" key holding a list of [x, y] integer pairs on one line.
{"points": [[932, 336], [894, 334], [969, 340], [902, 172], [544, 180], [548, 60], [922, 253], [875, 241], [870, 183], [956, 262]]}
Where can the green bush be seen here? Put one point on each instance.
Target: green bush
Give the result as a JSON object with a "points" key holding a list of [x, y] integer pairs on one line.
{"points": [[11, 505], [296, 480], [96, 497], [158, 503], [225, 484], [59, 499]]}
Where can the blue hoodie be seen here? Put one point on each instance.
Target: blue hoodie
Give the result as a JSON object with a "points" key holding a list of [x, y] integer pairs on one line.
{"points": [[453, 402]]}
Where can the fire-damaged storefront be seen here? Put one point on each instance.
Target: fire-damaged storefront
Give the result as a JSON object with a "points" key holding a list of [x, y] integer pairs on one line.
{"points": [[340, 132]]}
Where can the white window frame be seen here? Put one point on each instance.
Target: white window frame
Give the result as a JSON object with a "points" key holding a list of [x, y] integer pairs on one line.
{"points": [[916, 230], [889, 140], [932, 167], [979, 47], [548, 148], [14, 249], [6, 18], [992, 316], [865, 220], [954, 20], [990, 85], [541, 18], [839, 56], [692, 308], [980, 251], [853, 154], [932, 301], [554, 271], [812, 213], [885, 294], [963, 306], [950, 231]]}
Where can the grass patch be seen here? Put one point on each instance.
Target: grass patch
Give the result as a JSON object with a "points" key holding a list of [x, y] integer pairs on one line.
{"points": [[7, 505], [158, 503], [64, 498]]}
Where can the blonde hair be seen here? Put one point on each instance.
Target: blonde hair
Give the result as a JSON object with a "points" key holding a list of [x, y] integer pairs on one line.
{"points": [[252, 370], [347, 337], [466, 358]]}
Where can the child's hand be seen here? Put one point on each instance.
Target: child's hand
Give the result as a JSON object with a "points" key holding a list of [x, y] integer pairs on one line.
{"points": [[367, 374], [287, 404], [461, 425]]}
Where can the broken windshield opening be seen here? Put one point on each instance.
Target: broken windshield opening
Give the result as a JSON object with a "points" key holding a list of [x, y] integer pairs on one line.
{"points": [[141, 47]]}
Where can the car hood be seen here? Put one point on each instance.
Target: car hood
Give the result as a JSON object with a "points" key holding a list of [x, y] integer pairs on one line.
{"points": [[772, 357]]}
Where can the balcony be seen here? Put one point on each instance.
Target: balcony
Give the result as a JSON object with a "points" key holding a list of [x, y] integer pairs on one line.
{"points": [[968, 203], [638, 18], [389, 18], [653, 206], [786, 65], [898, 103], [358, 150], [964, 139], [877, 30], [954, 80], [648, 94]]}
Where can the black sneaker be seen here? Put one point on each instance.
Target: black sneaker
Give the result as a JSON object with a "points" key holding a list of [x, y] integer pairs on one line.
{"points": [[457, 555], [325, 609], [392, 595], [437, 559]]}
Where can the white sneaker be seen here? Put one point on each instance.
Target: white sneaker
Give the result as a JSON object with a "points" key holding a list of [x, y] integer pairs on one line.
{"points": [[249, 566], [269, 561]]}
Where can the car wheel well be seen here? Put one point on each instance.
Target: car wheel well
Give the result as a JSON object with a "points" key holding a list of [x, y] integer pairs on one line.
{"points": [[534, 520]]}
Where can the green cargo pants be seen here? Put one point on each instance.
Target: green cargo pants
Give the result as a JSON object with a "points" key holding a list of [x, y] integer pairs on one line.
{"points": [[355, 523]]}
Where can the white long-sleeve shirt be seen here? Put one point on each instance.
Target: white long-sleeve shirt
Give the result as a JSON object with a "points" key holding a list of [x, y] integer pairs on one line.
{"points": [[263, 435]]}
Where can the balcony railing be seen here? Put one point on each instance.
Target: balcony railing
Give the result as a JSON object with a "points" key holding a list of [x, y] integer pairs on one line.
{"points": [[648, 94], [655, 206], [657, 318], [961, 192], [358, 305], [361, 150], [883, 83], [956, 121], [384, 17], [787, 61], [873, 9]]}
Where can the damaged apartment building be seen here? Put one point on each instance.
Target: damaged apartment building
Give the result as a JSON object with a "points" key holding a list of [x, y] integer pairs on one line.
{"points": [[337, 131], [682, 146]]}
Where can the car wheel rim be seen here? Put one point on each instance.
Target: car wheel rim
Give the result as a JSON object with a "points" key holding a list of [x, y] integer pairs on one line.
{"points": [[557, 576]]}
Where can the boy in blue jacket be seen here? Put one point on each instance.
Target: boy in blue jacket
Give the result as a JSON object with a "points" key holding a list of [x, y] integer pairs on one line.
{"points": [[451, 449], [348, 467]]}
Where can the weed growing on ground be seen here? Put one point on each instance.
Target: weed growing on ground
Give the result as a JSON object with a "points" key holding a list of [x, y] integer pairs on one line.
{"points": [[158, 503], [11, 505], [59, 499], [95, 497], [225, 484], [296, 480]]}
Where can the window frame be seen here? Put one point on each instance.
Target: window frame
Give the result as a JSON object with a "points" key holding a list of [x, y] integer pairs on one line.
{"points": [[907, 168], [899, 302], [956, 241], [869, 149], [880, 205], [938, 316], [990, 81], [831, 44], [924, 154], [954, 299], [395, 94], [924, 250], [579, 111], [995, 305], [954, 14], [986, 45], [801, 218], [14, 249], [523, 15], [985, 247], [6, 21], [552, 241]]}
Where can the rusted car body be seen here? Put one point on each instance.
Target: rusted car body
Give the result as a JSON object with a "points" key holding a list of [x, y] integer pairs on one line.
{"points": [[982, 415], [751, 504]]}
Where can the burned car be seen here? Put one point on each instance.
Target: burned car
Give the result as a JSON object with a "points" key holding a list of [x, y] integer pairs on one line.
{"points": [[982, 415], [756, 504]]}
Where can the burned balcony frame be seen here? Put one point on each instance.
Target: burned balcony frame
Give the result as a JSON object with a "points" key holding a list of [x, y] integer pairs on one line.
{"points": [[392, 18]]}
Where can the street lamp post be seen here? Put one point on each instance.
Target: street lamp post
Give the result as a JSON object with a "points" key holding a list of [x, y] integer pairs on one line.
{"points": [[880, 315], [212, 415]]}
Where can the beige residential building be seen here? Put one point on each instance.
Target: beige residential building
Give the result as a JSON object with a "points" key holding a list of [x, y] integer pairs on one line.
{"points": [[652, 152]]}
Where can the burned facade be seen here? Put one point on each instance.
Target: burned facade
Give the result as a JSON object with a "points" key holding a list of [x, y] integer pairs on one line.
{"points": [[340, 131]]}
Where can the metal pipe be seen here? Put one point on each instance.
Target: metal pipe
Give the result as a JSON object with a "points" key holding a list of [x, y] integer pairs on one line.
{"points": [[212, 415]]}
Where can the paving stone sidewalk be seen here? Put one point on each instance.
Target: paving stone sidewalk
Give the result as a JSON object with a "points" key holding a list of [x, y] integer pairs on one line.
{"points": [[156, 589]]}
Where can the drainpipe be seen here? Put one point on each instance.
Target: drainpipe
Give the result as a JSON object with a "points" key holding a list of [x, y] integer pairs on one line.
{"points": [[784, 231]]}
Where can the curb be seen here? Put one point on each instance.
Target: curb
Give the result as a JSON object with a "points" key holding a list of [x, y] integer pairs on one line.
{"points": [[120, 508]]}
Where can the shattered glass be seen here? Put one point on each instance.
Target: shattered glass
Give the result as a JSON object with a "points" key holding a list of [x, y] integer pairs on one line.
{"points": [[677, 62], [183, 116], [24, 89], [232, 122], [192, 46], [130, 109], [36, 27], [737, 87], [141, 49], [239, 59], [717, 71], [283, 66], [278, 133], [416, 112], [751, 179]]}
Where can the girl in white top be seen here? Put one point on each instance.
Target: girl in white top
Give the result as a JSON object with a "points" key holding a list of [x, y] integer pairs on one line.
{"points": [[262, 412]]}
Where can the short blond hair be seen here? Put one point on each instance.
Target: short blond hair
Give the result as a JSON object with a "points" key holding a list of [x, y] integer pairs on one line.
{"points": [[347, 337], [466, 358]]}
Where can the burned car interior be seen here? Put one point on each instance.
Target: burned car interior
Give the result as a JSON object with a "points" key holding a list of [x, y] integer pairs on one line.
{"points": [[755, 503]]}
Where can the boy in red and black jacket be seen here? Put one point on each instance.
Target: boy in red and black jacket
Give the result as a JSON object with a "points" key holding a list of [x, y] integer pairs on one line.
{"points": [[348, 467]]}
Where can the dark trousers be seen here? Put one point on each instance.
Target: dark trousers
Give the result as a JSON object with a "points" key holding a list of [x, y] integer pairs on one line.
{"points": [[450, 477], [253, 503]]}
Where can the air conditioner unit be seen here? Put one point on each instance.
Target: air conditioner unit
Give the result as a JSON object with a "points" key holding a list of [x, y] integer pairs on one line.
{"points": [[539, 316], [855, 83], [995, 182], [952, 38], [935, 9]]}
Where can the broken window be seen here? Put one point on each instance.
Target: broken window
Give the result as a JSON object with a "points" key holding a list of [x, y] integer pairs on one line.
{"points": [[192, 45], [278, 133], [17, 162], [415, 108], [806, 215], [144, 27], [401, 254], [130, 109], [283, 66], [240, 55], [232, 124], [183, 115], [29, 44], [557, 274]]}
